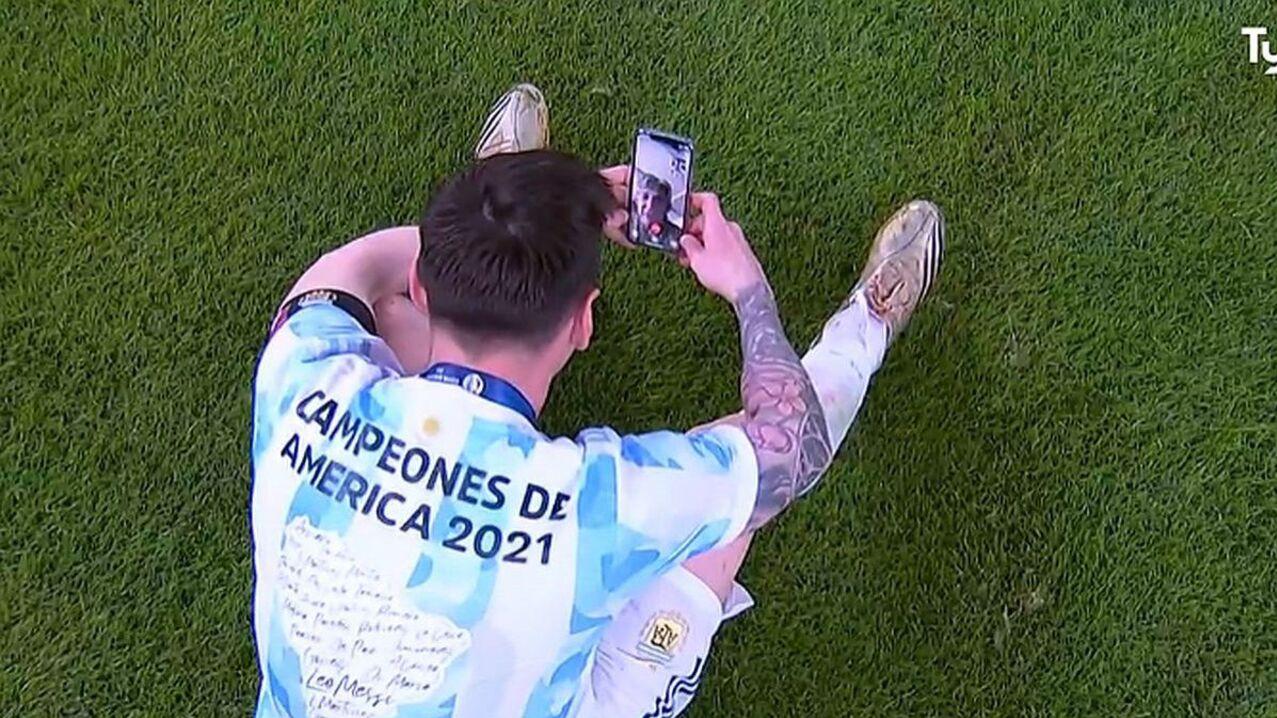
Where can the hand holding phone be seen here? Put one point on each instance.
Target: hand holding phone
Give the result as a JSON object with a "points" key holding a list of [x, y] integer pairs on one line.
{"points": [[616, 224], [718, 252], [660, 189]]}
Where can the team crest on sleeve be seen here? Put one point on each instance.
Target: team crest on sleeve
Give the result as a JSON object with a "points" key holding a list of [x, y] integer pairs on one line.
{"points": [[662, 636], [316, 296]]}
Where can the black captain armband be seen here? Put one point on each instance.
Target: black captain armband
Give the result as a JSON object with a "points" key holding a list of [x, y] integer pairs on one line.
{"points": [[345, 301]]}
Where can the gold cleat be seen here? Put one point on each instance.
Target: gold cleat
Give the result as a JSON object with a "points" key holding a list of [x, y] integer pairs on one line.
{"points": [[903, 263], [519, 121]]}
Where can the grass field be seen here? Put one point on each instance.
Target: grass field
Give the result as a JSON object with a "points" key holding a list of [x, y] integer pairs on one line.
{"points": [[1061, 498]]}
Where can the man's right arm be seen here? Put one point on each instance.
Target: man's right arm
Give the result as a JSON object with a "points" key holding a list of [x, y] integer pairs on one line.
{"points": [[782, 415], [328, 313], [370, 268]]}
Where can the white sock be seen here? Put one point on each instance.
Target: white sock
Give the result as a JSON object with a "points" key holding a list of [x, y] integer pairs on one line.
{"points": [[850, 350]]}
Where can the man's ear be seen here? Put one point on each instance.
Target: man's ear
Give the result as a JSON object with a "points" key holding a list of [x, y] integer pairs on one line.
{"points": [[416, 292], [583, 322]]}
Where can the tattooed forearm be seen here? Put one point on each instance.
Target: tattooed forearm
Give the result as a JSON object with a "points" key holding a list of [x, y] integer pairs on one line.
{"points": [[783, 418]]}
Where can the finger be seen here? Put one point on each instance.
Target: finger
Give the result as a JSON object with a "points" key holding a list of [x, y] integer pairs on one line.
{"points": [[615, 226], [618, 181], [616, 174], [616, 218], [707, 203], [697, 225], [692, 247], [704, 201], [617, 235]]}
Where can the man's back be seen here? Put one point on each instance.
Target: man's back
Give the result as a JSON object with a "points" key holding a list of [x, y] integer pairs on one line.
{"points": [[420, 545]]}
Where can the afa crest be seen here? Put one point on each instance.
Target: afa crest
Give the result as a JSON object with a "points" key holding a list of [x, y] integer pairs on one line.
{"points": [[662, 636]]}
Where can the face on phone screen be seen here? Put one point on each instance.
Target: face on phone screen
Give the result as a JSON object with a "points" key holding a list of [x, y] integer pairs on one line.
{"points": [[658, 190]]}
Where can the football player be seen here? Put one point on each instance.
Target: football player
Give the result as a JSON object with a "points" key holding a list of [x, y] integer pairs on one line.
{"points": [[423, 548]]}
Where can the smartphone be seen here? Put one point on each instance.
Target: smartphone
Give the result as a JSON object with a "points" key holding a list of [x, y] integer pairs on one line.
{"points": [[660, 189]]}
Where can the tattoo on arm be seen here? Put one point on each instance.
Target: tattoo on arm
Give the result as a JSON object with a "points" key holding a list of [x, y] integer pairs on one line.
{"points": [[783, 418]]}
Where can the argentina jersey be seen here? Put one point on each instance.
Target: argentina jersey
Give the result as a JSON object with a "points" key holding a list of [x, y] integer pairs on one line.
{"points": [[422, 550]]}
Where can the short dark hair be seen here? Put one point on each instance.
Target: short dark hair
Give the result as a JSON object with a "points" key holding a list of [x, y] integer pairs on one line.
{"points": [[655, 184], [510, 244]]}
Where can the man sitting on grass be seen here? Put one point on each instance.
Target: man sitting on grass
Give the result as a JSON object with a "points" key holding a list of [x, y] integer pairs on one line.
{"points": [[421, 548]]}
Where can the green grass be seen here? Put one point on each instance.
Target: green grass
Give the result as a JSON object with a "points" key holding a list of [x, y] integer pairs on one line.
{"points": [[1061, 497]]}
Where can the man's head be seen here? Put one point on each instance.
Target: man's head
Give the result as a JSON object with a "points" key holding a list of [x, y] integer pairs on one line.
{"points": [[652, 200], [510, 253]]}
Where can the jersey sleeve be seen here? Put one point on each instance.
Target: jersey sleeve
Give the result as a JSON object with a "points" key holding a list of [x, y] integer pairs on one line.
{"points": [[655, 500], [321, 340]]}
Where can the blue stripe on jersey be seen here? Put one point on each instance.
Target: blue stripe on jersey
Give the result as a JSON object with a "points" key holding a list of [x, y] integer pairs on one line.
{"points": [[469, 589], [596, 523], [283, 671], [554, 699], [428, 710], [323, 512], [486, 435], [633, 451], [422, 571], [713, 447]]}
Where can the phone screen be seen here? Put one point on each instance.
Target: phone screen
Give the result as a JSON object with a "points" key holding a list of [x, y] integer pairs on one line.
{"points": [[660, 183]]}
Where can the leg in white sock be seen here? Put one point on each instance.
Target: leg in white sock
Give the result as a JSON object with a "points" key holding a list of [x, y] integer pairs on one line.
{"points": [[841, 362]]}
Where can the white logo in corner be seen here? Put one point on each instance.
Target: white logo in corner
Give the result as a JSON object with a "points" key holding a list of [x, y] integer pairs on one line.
{"points": [[472, 383], [1261, 49]]}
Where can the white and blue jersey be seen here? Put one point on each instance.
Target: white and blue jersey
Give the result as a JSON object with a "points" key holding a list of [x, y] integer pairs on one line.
{"points": [[422, 550]]}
